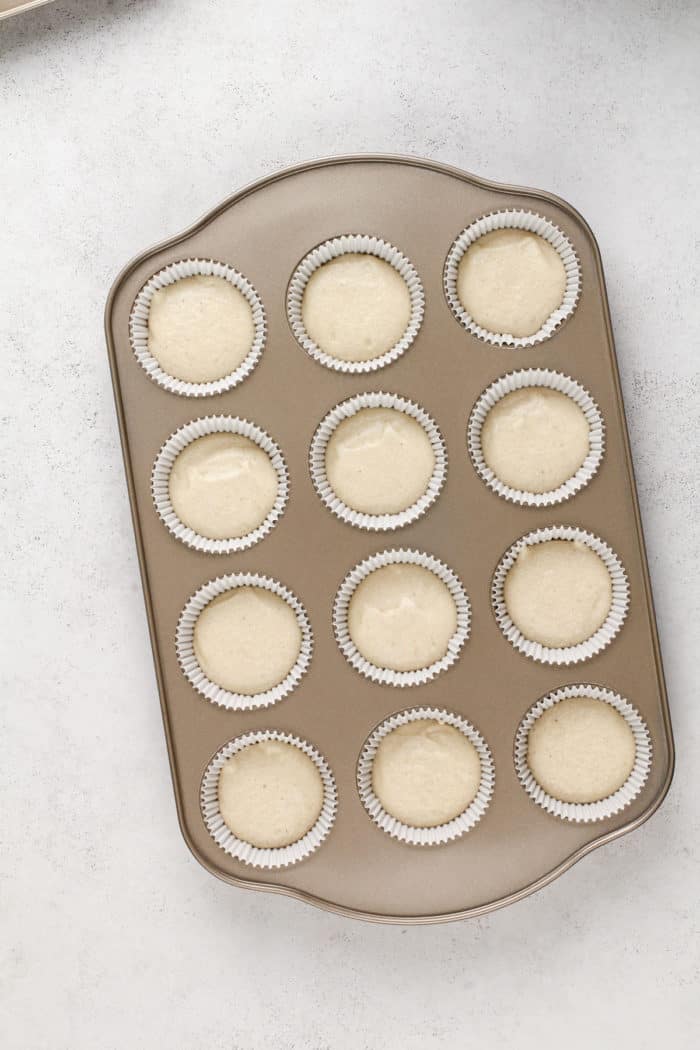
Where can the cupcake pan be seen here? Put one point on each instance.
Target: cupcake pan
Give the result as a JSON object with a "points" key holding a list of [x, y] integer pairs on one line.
{"points": [[14, 7], [264, 232]]}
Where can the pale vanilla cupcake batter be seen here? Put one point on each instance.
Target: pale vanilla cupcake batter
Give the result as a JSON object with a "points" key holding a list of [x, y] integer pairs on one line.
{"points": [[270, 794], [558, 593], [402, 617], [223, 486], [200, 328], [247, 640], [535, 439], [356, 307], [581, 750], [425, 773], [379, 461], [510, 281]]}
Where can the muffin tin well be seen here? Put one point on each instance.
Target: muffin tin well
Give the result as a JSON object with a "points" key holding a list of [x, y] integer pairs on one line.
{"points": [[310, 550]]}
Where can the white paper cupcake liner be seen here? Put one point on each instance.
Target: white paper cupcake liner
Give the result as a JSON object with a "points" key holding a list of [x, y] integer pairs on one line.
{"points": [[160, 482], [317, 461], [416, 836], [518, 220], [273, 857], [361, 244], [585, 812], [537, 377], [190, 665], [606, 632], [138, 326], [384, 675]]}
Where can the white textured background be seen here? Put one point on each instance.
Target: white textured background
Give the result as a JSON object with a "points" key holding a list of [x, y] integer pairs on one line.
{"points": [[121, 121]]}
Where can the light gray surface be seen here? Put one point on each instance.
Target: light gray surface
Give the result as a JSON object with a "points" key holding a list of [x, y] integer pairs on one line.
{"points": [[120, 127]]}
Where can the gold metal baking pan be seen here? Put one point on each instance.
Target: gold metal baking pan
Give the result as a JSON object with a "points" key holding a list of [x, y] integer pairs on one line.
{"points": [[264, 231]]}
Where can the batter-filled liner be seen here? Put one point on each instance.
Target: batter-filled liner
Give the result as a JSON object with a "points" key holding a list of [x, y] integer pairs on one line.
{"points": [[601, 638], [426, 836], [354, 244], [182, 438], [585, 812], [386, 675], [138, 326], [324, 435], [185, 643], [548, 380], [530, 222], [272, 857]]}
